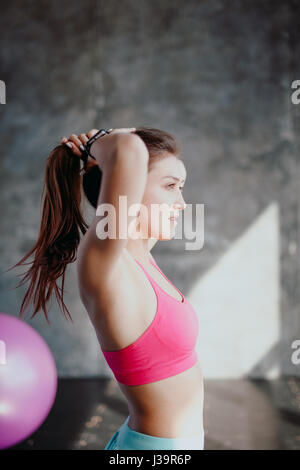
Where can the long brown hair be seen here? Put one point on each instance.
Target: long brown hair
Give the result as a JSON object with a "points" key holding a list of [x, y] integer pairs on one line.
{"points": [[62, 221]]}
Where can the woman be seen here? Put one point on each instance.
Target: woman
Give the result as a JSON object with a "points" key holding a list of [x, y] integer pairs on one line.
{"points": [[147, 329]]}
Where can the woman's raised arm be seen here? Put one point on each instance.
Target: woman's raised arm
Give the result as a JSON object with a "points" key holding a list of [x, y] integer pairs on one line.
{"points": [[123, 160]]}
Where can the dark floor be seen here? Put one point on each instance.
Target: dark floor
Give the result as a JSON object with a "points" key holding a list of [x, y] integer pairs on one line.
{"points": [[238, 414]]}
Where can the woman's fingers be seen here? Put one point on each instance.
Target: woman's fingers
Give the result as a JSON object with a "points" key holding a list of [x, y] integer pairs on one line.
{"points": [[74, 138], [83, 138], [76, 142], [91, 133]]}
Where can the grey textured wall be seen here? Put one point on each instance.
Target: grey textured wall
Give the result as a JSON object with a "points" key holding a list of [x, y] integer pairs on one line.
{"points": [[218, 75]]}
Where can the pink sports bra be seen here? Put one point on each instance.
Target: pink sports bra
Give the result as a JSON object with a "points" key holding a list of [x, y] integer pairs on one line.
{"points": [[167, 346]]}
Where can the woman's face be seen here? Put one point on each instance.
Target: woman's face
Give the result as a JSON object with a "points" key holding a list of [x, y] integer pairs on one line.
{"points": [[162, 198]]}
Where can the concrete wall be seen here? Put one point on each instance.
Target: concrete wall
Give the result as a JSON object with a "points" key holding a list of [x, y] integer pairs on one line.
{"points": [[218, 75]]}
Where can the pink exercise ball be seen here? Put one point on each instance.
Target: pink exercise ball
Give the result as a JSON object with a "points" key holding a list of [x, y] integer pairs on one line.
{"points": [[28, 380]]}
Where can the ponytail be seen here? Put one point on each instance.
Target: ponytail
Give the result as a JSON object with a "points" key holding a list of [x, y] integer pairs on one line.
{"points": [[59, 234]]}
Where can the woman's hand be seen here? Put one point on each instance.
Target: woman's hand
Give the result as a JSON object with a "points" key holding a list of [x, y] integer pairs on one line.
{"points": [[75, 142]]}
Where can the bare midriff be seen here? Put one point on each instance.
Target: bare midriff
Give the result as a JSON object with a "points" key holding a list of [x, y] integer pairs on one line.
{"points": [[171, 408]]}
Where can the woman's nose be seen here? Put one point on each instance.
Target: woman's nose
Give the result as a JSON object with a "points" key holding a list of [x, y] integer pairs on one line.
{"points": [[180, 204]]}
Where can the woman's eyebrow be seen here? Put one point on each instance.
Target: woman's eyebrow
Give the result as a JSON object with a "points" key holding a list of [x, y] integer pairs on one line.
{"points": [[174, 177]]}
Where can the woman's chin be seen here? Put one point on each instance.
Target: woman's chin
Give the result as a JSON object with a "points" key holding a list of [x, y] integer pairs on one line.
{"points": [[167, 235]]}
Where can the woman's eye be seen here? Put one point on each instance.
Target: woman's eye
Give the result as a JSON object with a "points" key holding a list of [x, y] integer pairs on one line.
{"points": [[173, 185]]}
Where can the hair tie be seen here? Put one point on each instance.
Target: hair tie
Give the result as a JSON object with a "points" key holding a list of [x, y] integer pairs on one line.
{"points": [[87, 146]]}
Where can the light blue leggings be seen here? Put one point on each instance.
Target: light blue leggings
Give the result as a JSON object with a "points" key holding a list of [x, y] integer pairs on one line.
{"points": [[126, 438]]}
